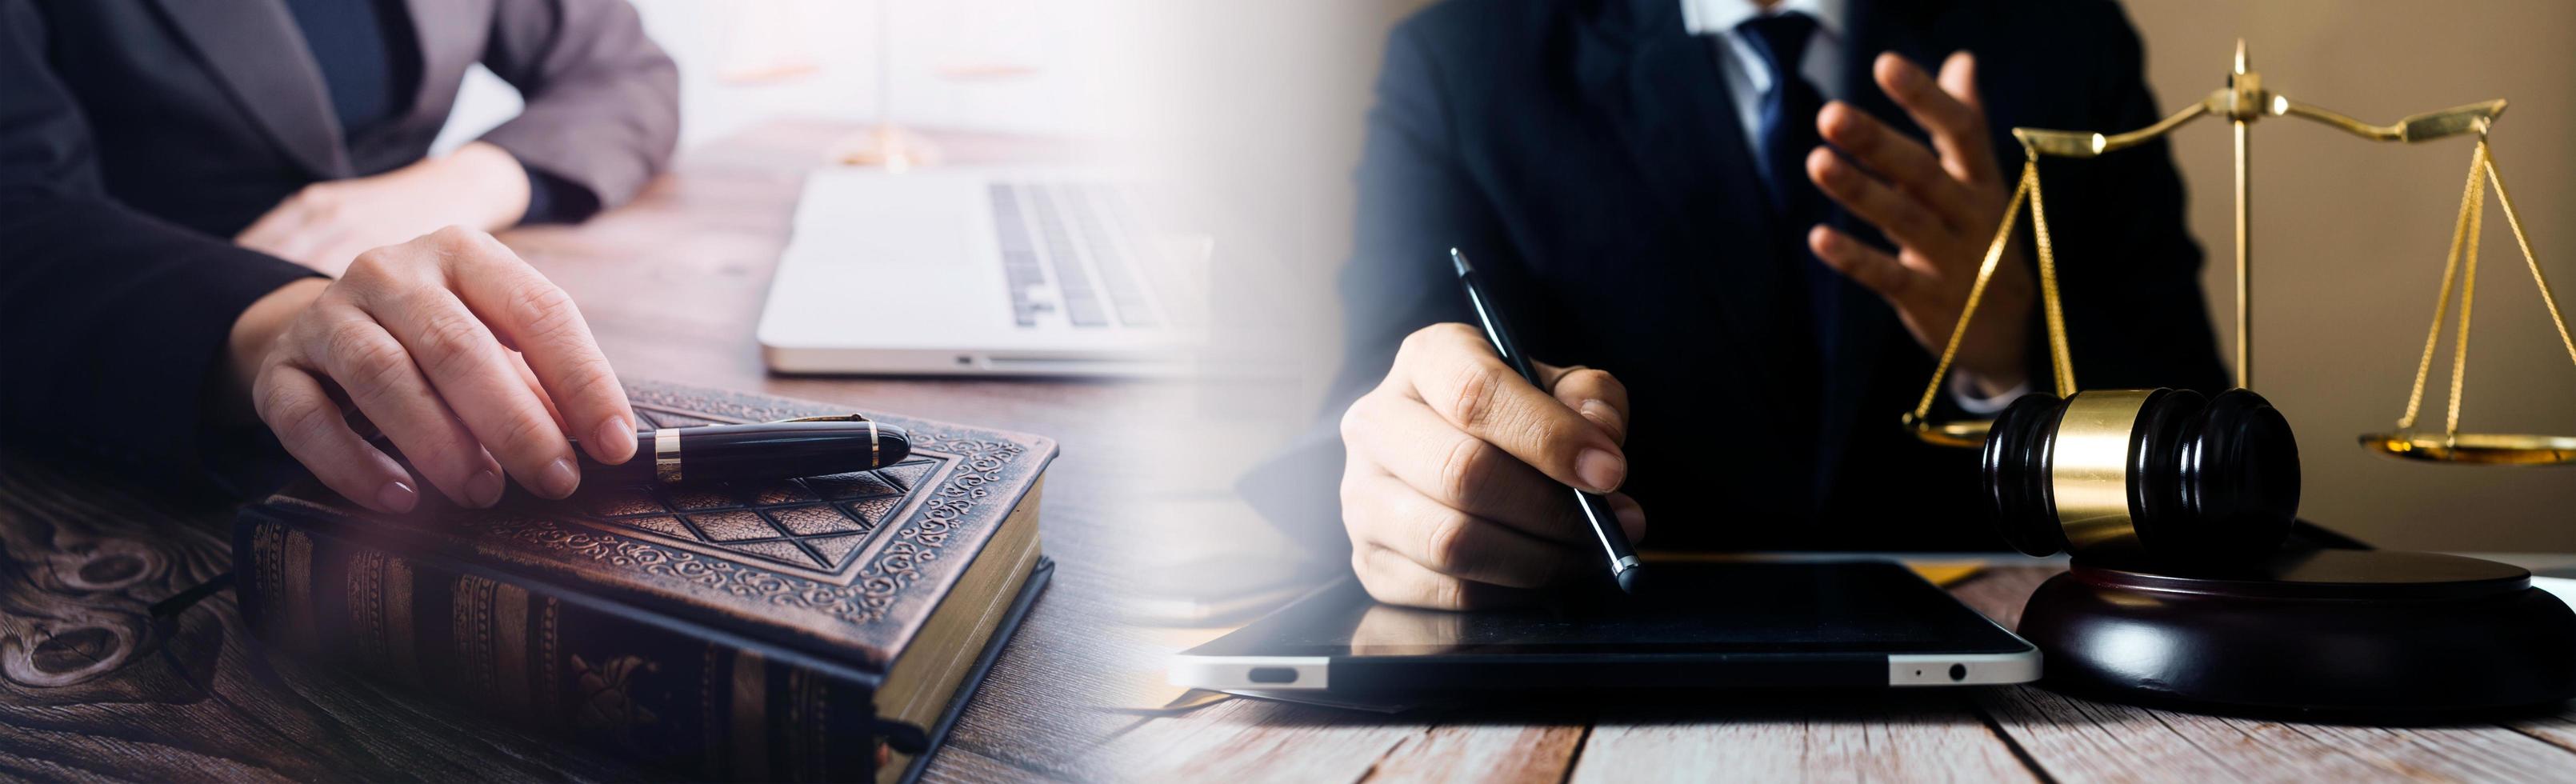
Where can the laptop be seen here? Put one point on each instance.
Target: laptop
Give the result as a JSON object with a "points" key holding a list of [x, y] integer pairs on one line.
{"points": [[1048, 271]]}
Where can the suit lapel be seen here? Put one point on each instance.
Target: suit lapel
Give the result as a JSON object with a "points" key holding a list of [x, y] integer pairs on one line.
{"points": [[451, 34], [1659, 90], [255, 50]]}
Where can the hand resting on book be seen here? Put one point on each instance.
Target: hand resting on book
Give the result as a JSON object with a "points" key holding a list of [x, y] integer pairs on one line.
{"points": [[468, 360]]}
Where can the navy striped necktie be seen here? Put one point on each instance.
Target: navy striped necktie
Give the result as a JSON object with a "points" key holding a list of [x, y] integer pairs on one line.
{"points": [[1806, 336]]}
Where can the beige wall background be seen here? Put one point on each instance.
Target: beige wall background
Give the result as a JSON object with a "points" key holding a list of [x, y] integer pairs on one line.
{"points": [[2349, 234], [2349, 237]]}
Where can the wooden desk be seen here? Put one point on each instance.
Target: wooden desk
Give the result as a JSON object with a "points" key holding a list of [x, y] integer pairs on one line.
{"points": [[2018, 733], [672, 285]]}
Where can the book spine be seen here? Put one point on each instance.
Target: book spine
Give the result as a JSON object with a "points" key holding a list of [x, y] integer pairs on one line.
{"points": [[638, 686]]}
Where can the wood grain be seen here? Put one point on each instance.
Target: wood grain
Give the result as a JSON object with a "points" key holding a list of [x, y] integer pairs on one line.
{"points": [[957, 765], [1879, 737], [118, 694], [2558, 729], [2082, 741], [1254, 741], [2078, 740], [1499, 753]]}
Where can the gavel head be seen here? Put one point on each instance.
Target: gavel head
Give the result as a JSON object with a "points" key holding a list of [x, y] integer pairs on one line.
{"points": [[2167, 474]]}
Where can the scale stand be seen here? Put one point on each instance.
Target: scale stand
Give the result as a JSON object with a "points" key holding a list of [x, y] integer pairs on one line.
{"points": [[887, 144]]}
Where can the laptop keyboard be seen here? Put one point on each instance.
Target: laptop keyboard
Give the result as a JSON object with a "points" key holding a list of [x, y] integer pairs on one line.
{"points": [[1117, 271], [1069, 235], [1019, 257]]}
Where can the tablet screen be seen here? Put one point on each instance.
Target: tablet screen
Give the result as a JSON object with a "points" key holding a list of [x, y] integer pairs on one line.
{"points": [[1730, 607]]}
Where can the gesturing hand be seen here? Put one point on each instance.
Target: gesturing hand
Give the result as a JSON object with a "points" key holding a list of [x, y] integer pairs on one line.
{"points": [[325, 225], [1940, 208], [1454, 489], [423, 338]]}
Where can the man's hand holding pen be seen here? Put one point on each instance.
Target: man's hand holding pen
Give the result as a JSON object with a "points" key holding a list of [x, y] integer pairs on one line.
{"points": [[1452, 489], [1446, 492], [467, 359]]}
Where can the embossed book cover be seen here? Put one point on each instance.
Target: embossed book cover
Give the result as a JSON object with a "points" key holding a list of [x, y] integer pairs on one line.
{"points": [[809, 629]]}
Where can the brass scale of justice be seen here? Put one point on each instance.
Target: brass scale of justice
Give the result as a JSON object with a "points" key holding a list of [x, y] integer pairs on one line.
{"points": [[2243, 101]]}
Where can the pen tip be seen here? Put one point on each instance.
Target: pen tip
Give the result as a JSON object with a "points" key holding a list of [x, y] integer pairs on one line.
{"points": [[1630, 579], [1459, 260]]}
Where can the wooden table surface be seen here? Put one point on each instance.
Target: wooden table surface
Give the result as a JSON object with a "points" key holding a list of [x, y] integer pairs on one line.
{"points": [[92, 688], [2016, 733]]}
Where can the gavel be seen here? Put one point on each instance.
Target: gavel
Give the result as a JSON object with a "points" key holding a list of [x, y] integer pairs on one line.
{"points": [[2168, 474]]}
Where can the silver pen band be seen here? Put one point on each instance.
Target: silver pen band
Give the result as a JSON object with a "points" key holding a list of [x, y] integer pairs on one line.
{"points": [[666, 455]]}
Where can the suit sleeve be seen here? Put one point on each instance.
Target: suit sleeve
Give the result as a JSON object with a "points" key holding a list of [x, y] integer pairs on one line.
{"points": [[1416, 201], [112, 323], [603, 101], [2135, 312]]}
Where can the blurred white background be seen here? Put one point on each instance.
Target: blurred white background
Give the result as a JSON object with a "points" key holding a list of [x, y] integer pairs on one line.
{"points": [[1062, 68]]}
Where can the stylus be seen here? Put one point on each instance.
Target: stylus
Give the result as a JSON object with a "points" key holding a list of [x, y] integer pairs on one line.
{"points": [[1596, 510]]}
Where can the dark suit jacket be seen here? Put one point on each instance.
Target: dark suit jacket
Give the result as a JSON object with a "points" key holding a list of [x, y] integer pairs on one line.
{"points": [[136, 136], [1587, 154]]}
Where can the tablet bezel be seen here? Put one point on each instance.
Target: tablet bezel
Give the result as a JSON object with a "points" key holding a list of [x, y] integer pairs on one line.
{"points": [[1273, 670]]}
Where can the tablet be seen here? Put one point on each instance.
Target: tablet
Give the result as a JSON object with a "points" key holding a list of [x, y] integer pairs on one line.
{"points": [[1695, 625]]}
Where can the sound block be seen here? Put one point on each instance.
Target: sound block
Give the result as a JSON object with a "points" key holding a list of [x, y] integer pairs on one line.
{"points": [[2346, 632]]}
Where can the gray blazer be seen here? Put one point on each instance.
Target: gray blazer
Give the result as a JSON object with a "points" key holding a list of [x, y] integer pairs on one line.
{"points": [[137, 135], [208, 112]]}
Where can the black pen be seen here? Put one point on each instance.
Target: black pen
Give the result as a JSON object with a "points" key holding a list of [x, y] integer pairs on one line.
{"points": [[1605, 526], [815, 446]]}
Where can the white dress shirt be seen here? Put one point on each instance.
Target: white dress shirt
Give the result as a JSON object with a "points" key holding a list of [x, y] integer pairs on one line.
{"points": [[1749, 79], [1748, 76]]}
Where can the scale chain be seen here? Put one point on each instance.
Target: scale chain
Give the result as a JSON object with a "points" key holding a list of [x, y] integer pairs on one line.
{"points": [[2462, 263], [2061, 365], [2504, 198], [1977, 290], [2062, 369], [2468, 289], [2461, 231]]}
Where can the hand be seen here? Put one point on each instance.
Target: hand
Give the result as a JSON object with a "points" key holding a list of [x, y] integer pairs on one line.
{"points": [[1941, 210], [327, 224], [423, 338], [1454, 490]]}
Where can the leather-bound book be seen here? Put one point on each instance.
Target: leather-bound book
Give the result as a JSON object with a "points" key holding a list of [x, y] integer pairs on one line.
{"points": [[821, 628]]}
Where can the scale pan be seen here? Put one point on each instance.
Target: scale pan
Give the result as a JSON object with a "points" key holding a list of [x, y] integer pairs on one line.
{"points": [[1966, 433], [2477, 448]]}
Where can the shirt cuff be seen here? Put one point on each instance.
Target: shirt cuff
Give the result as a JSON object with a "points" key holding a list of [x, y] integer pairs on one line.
{"points": [[553, 199], [1963, 391]]}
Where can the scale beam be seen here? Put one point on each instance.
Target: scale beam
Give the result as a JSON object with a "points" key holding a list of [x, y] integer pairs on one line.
{"points": [[2243, 102], [2414, 128]]}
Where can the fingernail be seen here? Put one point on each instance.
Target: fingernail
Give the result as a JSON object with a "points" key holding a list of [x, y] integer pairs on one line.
{"points": [[397, 497], [484, 489], [560, 478], [610, 433], [1600, 469], [1601, 414], [1632, 518]]}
